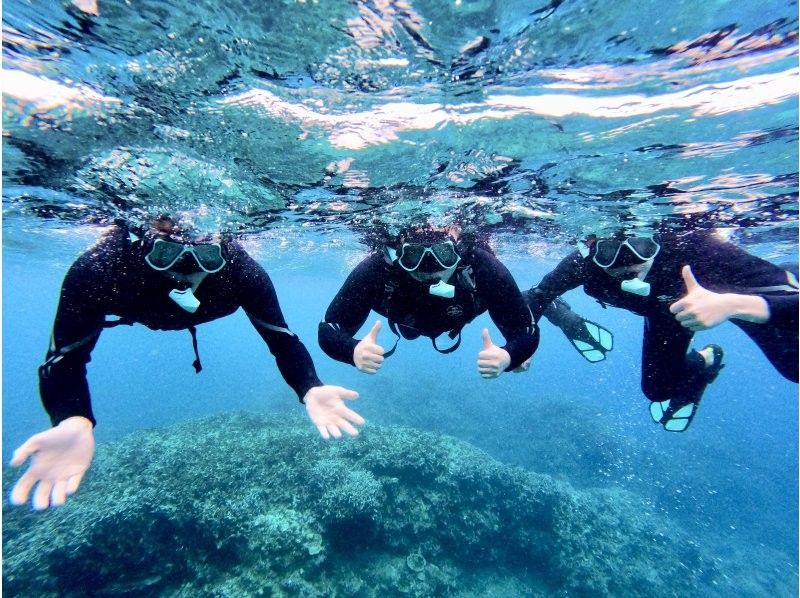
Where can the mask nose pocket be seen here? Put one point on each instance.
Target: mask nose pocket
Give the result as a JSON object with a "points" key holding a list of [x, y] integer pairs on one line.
{"points": [[187, 264]]}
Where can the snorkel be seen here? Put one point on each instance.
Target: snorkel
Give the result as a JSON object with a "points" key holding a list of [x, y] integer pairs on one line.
{"points": [[442, 288], [636, 285], [185, 299]]}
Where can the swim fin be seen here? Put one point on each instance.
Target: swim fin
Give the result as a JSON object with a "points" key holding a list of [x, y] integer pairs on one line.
{"points": [[590, 339], [676, 416], [673, 418]]}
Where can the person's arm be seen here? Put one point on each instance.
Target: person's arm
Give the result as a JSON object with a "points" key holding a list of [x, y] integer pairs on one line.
{"points": [[79, 319], [499, 292], [260, 302], [782, 309], [722, 282], [567, 275], [350, 308], [325, 403], [701, 309], [61, 455]]}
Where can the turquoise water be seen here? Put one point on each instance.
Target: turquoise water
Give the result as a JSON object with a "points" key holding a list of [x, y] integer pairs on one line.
{"points": [[303, 125]]}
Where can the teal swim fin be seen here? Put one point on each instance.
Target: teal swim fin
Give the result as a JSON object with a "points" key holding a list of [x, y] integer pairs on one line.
{"points": [[677, 416], [590, 339], [673, 419]]}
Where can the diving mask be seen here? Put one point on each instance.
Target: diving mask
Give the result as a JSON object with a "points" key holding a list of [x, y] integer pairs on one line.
{"points": [[412, 255], [607, 251], [165, 254]]}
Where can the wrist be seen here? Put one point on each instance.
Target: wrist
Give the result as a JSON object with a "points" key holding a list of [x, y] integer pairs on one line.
{"points": [[305, 396], [750, 308], [77, 421]]}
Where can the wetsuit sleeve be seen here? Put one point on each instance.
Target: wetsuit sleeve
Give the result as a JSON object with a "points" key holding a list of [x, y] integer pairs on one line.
{"points": [[260, 303], [501, 295], [82, 307], [361, 291], [567, 275], [783, 309]]}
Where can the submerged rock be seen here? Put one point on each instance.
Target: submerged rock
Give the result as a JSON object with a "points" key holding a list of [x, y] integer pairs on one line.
{"points": [[238, 505]]}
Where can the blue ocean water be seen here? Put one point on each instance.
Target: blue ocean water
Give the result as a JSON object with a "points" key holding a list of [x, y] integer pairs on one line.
{"points": [[302, 125]]}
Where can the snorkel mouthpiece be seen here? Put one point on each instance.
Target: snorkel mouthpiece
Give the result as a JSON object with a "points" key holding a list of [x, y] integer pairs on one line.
{"points": [[185, 299], [636, 286], [443, 290]]}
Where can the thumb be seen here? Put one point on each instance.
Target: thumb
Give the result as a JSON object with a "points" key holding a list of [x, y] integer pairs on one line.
{"points": [[24, 451], [487, 340], [373, 333], [346, 393], [689, 279]]}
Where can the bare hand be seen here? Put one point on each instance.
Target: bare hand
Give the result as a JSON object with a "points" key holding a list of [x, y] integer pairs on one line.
{"points": [[368, 354], [326, 409], [700, 309], [492, 360], [60, 458]]}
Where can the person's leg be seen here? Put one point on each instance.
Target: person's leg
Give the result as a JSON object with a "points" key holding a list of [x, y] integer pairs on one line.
{"points": [[665, 366], [672, 378]]}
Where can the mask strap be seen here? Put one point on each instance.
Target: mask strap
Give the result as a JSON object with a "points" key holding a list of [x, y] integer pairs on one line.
{"points": [[198, 367], [451, 348], [393, 328]]}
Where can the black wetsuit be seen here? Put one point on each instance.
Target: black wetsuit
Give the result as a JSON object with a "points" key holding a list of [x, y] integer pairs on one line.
{"points": [[481, 283], [667, 371], [112, 279]]}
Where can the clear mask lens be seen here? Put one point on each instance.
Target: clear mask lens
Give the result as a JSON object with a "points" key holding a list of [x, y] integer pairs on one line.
{"points": [[163, 254], [606, 252], [446, 254], [644, 247], [411, 256], [209, 256]]}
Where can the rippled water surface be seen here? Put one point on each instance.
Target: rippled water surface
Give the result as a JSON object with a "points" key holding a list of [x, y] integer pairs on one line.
{"points": [[545, 121]]}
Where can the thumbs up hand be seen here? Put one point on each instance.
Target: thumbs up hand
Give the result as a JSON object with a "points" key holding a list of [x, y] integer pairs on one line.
{"points": [[368, 354], [700, 309], [492, 360]]}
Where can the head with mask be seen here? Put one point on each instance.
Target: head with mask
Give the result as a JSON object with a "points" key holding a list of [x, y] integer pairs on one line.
{"points": [[428, 255], [625, 258], [184, 254], [174, 247]]}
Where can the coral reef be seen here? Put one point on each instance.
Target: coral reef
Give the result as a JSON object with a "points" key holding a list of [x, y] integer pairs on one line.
{"points": [[238, 505]]}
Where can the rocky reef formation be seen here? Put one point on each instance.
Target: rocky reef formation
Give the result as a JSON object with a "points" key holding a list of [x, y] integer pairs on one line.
{"points": [[239, 505]]}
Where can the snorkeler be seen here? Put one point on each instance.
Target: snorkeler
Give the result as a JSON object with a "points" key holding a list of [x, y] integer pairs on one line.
{"points": [[427, 282], [168, 278], [682, 283]]}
